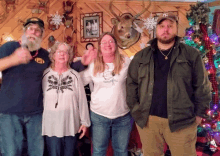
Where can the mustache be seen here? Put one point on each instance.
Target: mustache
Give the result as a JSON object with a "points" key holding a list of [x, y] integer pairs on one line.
{"points": [[32, 36], [165, 33]]}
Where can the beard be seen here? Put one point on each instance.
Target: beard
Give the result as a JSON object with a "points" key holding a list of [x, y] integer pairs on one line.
{"points": [[31, 45], [166, 40]]}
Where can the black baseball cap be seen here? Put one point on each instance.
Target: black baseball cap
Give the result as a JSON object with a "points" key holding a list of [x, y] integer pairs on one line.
{"points": [[34, 20]]}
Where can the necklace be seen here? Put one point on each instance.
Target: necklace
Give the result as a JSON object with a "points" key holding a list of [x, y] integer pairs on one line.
{"points": [[166, 56], [36, 53], [108, 74]]}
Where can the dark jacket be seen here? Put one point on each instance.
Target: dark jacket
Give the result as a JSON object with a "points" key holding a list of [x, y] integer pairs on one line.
{"points": [[188, 87]]}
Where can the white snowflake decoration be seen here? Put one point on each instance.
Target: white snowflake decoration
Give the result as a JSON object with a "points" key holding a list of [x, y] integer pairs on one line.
{"points": [[56, 19], [142, 45], [150, 23]]}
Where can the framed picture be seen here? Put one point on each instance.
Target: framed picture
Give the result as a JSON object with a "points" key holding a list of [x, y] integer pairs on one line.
{"points": [[156, 15], [91, 26]]}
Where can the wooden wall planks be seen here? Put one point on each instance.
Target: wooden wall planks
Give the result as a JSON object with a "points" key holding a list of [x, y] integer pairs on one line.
{"points": [[12, 27]]}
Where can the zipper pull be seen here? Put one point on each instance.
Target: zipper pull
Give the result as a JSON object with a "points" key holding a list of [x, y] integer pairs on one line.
{"points": [[56, 105]]}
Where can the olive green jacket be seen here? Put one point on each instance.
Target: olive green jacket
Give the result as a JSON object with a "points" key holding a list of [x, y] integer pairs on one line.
{"points": [[188, 87]]}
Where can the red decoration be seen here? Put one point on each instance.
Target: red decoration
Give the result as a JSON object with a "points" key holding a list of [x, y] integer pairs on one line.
{"points": [[213, 126], [212, 76]]}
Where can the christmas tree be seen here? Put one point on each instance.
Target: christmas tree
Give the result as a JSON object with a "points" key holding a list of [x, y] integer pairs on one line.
{"points": [[201, 36]]}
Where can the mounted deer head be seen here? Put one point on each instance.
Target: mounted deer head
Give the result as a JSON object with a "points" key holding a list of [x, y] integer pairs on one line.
{"points": [[125, 27]]}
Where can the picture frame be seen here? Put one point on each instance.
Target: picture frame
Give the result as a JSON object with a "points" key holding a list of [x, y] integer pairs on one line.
{"points": [[156, 15], [91, 26]]}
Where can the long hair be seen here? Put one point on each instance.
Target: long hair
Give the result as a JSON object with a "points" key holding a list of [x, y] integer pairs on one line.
{"points": [[54, 49], [99, 64]]}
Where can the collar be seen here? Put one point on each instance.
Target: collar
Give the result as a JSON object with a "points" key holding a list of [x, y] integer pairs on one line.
{"points": [[153, 43]]}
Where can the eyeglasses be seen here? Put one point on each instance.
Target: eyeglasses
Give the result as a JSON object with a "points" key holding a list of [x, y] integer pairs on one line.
{"points": [[105, 42], [64, 52], [36, 30]]}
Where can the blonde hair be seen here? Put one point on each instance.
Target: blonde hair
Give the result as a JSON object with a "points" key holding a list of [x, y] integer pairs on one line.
{"points": [[54, 49], [99, 64]]}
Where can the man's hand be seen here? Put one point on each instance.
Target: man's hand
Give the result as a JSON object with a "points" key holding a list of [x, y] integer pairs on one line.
{"points": [[198, 120], [21, 56], [89, 56], [83, 130]]}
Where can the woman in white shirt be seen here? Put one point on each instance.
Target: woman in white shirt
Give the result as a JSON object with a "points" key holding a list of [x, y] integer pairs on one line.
{"points": [[65, 105], [110, 117]]}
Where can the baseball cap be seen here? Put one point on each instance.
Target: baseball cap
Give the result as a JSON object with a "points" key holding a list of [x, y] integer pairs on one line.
{"points": [[169, 16], [35, 20]]}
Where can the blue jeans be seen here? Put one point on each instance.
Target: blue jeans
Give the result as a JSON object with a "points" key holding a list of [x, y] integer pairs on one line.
{"points": [[64, 146], [13, 130], [118, 130]]}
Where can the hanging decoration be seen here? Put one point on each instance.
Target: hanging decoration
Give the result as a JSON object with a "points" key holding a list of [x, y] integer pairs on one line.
{"points": [[142, 45], [54, 20], [126, 26], [3, 12], [68, 37], [37, 8], [67, 21], [68, 6], [150, 24], [10, 5], [51, 42]]}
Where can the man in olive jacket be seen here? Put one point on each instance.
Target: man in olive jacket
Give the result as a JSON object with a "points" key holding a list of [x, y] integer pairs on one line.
{"points": [[168, 92]]}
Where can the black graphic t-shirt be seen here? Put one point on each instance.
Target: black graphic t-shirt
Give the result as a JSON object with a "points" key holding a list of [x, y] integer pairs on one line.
{"points": [[21, 90]]}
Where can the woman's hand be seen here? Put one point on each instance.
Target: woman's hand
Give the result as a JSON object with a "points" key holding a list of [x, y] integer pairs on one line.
{"points": [[83, 130], [89, 56]]}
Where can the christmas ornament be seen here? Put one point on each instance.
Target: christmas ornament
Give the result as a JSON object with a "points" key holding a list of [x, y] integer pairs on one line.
{"points": [[55, 20], [215, 115], [213, 146], [197, 40], [142, 45], [213, 126], [150, 23]]}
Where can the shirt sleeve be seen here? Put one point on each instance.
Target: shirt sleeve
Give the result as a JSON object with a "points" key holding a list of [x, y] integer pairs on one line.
{"points": [[202, 88], [86, 75], [132, 97], [78, 66], [83, 106], [8, 48]]}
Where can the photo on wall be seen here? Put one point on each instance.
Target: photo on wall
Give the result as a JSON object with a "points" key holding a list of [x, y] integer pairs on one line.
{"points": [[91, 26]]}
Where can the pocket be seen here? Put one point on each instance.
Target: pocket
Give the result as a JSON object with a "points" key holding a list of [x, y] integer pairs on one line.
{"points": [[143, 70], [183, 68]]}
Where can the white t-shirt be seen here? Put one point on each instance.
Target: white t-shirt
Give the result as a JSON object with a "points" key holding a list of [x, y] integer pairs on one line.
{"points": [[65, 104], [108, 97]]}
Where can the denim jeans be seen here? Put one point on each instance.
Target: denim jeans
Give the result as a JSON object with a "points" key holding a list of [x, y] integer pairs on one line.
{"points": [[64, 146], [118, 130], [13, 130]]}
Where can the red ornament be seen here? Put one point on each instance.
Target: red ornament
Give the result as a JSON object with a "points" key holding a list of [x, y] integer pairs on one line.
{"points": [[212, 76], [213, 126], [196, 40]]}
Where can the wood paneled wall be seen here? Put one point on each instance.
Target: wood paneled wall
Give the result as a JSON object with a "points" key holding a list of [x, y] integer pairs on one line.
{"points": [[13, 27]]}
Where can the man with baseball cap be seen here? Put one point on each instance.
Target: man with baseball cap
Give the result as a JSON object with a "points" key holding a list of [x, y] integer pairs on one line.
{"points": [[168, 92], [22, 64]]}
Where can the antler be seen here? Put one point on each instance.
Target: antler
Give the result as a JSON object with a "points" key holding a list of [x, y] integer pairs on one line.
{"points": [[110, 8], [144, 9]]}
